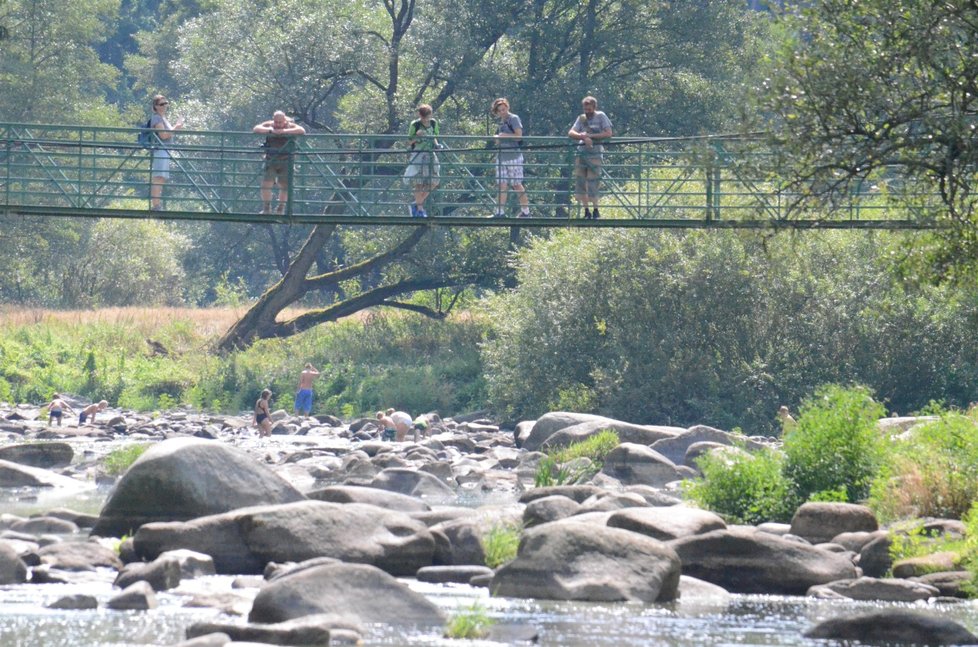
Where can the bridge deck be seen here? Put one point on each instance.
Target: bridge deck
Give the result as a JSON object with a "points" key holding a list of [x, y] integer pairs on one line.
{"points": [[723, 182]]}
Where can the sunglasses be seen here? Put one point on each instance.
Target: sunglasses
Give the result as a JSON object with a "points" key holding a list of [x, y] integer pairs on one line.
{"points": [[165, 103]]}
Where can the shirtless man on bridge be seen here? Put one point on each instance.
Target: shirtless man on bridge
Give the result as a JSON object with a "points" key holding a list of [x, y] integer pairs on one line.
{"points": [[303, 397]]}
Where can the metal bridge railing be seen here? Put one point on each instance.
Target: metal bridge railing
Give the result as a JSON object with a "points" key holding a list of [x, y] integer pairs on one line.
{"points": [[79, 170]]}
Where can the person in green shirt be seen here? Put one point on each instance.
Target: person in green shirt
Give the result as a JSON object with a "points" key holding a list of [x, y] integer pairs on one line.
{"points": [[423, 168]]}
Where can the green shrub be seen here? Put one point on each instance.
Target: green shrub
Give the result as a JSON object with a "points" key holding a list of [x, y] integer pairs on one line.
{"points": [[836, 444], [500, 544], [469, 623], [931, 472], [576, 462], [119, 460], [742, 487]]}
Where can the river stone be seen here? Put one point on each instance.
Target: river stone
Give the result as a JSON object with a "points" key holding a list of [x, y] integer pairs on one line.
{"points": [[370, 495], [897, 625], [819, 522], [43, 455], [933, 563], [80, 519], [412, 483], [948, 583], [13, 570], [568, 560], [77, 602], [452, 574], [192, 564], [187, 478], [744, 560], [216, 639], [16, 475], [162, 573], [578, 493], [79, 556], [138, 596], [308, 630], [549, 508], [634, 464], [872, 588], [676, 448], [574, 427], [362, 593], [666, 524], [874, 557], [44, 526], [465, 535], [244, 541]]}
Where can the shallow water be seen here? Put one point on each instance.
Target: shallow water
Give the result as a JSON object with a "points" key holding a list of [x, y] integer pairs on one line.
{"points": [[737, 620]]}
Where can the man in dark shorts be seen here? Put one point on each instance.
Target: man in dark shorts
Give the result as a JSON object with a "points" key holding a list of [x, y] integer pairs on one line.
{"points": [[57, 408], [281, 132]]}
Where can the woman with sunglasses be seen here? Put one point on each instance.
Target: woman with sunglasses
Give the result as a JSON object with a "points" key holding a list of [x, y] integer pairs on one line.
{"points": [[161, 156]]}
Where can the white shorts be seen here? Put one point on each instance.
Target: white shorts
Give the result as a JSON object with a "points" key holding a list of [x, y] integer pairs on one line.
{"points": [[510, 171]]}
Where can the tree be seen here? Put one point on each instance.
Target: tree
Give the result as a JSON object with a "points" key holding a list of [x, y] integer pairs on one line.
{"points": [[880, 91]]}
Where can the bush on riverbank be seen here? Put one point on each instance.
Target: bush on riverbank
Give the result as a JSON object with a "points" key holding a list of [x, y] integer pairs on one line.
{"points": [[369, 362]]}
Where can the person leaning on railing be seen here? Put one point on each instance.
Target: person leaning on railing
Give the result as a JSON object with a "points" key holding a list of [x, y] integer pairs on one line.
{"points": [[591, 126], [281, 131]]}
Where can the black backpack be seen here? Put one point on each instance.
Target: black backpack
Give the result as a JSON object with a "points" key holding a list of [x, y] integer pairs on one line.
{"points": [[145, 137]]}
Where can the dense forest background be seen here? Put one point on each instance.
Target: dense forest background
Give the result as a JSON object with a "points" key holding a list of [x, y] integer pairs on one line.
{"points": [[652, 326]]}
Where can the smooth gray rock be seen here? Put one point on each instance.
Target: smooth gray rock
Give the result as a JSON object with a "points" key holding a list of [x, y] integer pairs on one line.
{"points": [[369, 495], [412, 483], [192, 564], [666, 524], [16, 475], [362, 593], [676, 448], [949, 584], [243, 541], [611, 501], [568, 560], [45, 526], [871, 588], [138, 596], [78, 556], [455, 574], [77, 601], [162, 573], [314, 629], [560, 428], [820, 522], [465, 535], [13, 570], [874, 557], [578, 493], [634, 464], [898, 625], [744, 560], [549, 508], [47, 455], [187, 478], [216, 639]]}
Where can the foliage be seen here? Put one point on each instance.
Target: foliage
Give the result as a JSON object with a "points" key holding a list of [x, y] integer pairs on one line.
{"points": [[883, 91], [748, 488], [577, 462], [931, 471], [722, 328], [469, 623], [500, 544], [119, 460], [836, 445]]}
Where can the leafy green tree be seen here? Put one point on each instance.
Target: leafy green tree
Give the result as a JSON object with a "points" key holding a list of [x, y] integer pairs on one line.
{"points": [[884, 93], [50, 71]]}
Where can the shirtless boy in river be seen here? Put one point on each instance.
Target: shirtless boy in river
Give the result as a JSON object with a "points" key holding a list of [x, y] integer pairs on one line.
{"points": [[303, 397]]}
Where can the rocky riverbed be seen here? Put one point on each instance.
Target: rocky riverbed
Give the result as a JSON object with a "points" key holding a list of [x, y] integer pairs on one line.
{"points": [[326, 534]]}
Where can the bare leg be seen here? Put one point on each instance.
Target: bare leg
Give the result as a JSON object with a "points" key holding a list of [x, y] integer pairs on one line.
{"points": [[156, 191], [266, 195]]}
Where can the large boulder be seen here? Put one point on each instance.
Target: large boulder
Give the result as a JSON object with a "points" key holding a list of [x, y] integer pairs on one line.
{"points": [[820, 522], [13, 570], [187, 478], [568, 560], [43, 455], [17, 475], [245, 540], [413, 483], [666, 524], [896, 625], [871, 588], [358, 592], [745, 560], [560, 428], [634, 464]]}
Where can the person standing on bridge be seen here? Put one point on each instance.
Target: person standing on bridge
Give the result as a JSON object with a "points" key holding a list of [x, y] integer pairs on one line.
{"points": [[281, 132], [589, 127], [509, 162], [423, 169], [160, 170]]}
